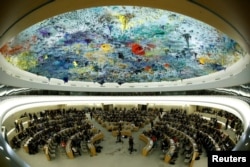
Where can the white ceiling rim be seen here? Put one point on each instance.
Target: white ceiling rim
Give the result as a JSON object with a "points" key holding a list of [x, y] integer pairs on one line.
{"points": [[237, 74]]}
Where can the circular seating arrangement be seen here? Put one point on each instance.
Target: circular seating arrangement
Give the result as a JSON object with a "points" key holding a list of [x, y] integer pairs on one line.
{"points": [[189, 134], [69, 129], [177, 133], [127, 120]]}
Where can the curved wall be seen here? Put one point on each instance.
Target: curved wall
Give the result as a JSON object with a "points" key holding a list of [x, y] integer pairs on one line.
{"points": [[10, 106]]}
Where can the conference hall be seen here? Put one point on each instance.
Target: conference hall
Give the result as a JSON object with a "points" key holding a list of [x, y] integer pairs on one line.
{"points": [[120, 83]]}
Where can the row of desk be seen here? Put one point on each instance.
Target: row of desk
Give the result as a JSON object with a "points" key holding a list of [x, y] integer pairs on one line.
{"points": [[112, 126], [91, 147], [171, 149], [50, 149], [37, 134], [192, 142], [216, 146], [149, 144], [232, 142]]}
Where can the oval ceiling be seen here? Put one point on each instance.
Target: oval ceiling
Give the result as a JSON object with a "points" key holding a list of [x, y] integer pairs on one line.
{"points": [[121, 44]]}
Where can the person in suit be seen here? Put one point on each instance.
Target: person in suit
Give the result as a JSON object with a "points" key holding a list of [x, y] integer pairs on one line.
{"points": [[16, 127], [119, 137], [131, 144], [152, 123], [227, 122], [91, 114]]}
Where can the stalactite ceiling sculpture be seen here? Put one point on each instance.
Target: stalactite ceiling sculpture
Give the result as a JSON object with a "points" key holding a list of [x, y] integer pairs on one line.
{"points": [[121, 44]]}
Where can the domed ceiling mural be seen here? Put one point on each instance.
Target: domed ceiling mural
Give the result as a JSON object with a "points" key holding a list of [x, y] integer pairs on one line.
{"points": [[121, 44]]}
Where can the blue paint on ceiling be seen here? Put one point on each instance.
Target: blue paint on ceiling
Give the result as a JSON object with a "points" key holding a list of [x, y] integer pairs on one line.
{"points": [[121, 44]]}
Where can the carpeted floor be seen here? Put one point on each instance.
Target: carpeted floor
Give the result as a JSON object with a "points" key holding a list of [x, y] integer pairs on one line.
{"points": [[112, 155]]}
